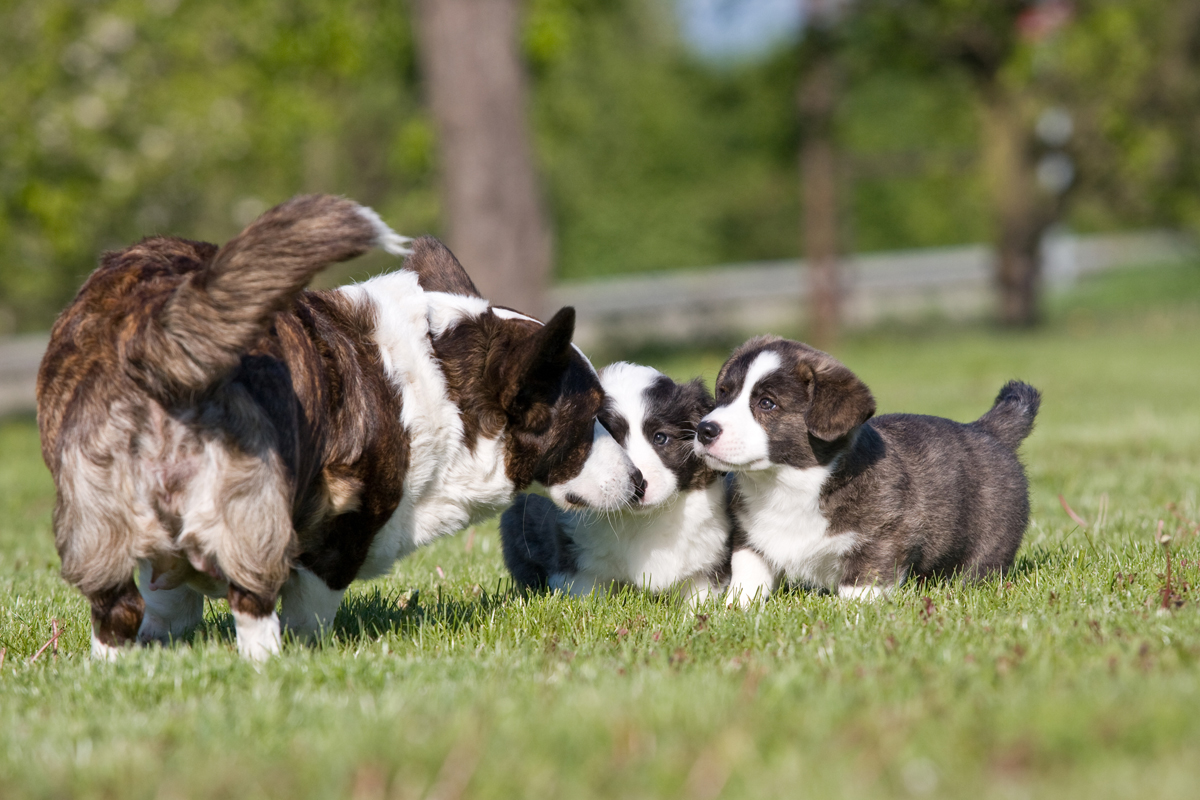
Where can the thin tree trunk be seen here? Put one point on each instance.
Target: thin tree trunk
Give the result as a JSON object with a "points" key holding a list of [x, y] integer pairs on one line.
{"points": [[818, 180], [1021, 213], [496, 224]]}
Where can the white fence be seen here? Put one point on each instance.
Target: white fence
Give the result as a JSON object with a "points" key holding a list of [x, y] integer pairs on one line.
{"points": [[741, 299]]}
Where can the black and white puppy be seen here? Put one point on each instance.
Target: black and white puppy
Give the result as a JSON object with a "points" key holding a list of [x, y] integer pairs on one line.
{"points": [[676, 534], [836, 500]]}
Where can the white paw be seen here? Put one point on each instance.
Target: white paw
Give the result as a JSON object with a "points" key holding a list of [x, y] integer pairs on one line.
{"points": [[867, 592], [104, 652], [257, 637]]}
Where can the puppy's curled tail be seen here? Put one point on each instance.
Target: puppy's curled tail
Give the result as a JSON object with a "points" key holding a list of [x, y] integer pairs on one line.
{"points": [[220, 310], [1011, 418], [529, 539]]}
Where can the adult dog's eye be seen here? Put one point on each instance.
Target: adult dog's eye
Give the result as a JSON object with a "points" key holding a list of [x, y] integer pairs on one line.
{"points": [[661, 438], [766, 404], [722, 391]]}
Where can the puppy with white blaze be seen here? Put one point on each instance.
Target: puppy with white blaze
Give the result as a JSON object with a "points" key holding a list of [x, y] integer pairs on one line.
{"points": [[675, 534], [220, 431], [833, 499]]}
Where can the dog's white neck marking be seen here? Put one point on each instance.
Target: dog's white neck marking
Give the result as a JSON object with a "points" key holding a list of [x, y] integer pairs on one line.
{"points": [[447, 485], [743, 443], [782, 519]]}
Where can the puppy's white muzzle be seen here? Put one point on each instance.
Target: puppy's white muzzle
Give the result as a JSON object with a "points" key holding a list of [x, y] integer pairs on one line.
{"points": [[608, 481]]}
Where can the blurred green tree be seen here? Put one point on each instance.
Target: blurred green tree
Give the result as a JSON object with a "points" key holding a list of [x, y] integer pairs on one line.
{"points": [[1130, 73], [993, 46], [159, 116]]}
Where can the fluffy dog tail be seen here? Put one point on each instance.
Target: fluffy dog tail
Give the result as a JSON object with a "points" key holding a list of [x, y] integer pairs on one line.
{"points": [[220, 310], [1011, 418]]}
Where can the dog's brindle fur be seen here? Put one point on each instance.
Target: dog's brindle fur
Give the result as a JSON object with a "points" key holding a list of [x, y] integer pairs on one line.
{"points": [[924, 496], [182, 368]]}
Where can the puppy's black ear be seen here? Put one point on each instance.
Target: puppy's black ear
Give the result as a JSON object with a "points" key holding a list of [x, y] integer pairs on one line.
{"points": [[533, 370], [700, 402], [840, 401], [437, 269]]}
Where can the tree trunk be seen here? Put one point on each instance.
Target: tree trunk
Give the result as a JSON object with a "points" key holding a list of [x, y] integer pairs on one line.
{"points": [[818, 181], [474, 78], [1021, 211]]}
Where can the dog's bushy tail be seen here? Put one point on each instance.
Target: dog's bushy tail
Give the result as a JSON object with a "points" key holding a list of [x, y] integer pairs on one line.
{"points": [[1011, 417], [220, 310]]}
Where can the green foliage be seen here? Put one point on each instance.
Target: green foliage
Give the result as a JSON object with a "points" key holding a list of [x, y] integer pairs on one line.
{"points": [[1130, 72], [135, 117], [1064, 680], [131, 118]]}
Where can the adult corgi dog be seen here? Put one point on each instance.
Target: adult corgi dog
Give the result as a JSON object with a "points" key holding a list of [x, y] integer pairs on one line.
{"points": [[220, 431], [675, 535], [834, 499]]}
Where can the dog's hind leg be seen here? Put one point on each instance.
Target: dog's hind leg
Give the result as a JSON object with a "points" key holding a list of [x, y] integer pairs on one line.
{"points": [[257, 623], [116, 616], [170, 613]]}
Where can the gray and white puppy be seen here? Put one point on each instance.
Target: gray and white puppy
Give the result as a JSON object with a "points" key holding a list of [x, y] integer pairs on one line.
{"points": [[675, 535], [833, 499]]}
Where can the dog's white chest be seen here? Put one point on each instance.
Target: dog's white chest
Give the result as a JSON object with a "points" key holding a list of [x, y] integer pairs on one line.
{"points": [[782, 518]]}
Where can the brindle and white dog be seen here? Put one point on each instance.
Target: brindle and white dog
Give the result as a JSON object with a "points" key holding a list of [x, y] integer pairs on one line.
{"points": [[220, 431], [675, 536], [835, 500]]}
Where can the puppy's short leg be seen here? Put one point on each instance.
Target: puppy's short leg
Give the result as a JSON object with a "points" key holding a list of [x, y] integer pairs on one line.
{"points": [[872, 591], [256, 622], [308, 605], [752, 578], [170, 613], [576, 584], [697, 589], [116, 615]]}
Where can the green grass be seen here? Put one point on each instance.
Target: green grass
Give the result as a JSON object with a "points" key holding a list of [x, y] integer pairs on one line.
{"points": [[1063, 680]]}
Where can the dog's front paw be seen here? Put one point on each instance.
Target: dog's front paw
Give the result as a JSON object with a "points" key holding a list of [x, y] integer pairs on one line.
{"points": [[104, 652], [258, 638]]}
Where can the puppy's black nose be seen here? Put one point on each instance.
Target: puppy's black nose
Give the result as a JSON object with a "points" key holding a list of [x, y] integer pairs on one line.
{"points": [[639, 485], [708, 431]]}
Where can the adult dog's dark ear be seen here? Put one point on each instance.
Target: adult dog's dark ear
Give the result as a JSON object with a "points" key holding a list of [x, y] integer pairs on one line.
{"points": [[533, 370], [840, 401], [437, 269]]}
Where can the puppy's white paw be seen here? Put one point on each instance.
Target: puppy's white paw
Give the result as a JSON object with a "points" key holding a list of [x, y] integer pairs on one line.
{"points": [[868, 593]]}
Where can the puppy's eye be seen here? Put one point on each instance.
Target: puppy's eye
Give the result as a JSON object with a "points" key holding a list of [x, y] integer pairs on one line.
{"points": [[722, 391], [661, 438], [766, 404]]}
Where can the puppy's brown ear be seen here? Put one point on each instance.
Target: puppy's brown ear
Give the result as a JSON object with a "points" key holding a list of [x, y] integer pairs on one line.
{"points": [[533, 370], [437, 269], [840, 401]]}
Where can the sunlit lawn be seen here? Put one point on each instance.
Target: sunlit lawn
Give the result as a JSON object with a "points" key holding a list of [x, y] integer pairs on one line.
{"points": [[1066, 680]]}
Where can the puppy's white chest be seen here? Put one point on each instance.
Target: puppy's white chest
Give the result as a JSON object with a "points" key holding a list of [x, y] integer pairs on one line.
{"points": [[782, 518], [659, 550]]}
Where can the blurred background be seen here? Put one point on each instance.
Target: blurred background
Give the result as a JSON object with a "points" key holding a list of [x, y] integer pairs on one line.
{"points": [[683, 171]]}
